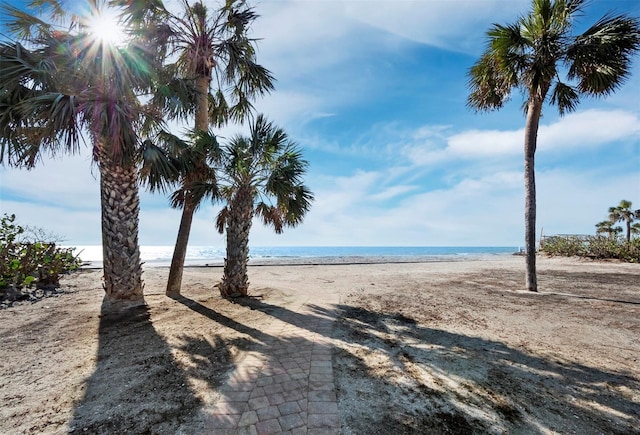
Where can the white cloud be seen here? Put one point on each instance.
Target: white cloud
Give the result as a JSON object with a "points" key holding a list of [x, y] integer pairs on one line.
{"points": [[591, 128], [393, 192], [75, 226], [474, 143], [350, 210]]}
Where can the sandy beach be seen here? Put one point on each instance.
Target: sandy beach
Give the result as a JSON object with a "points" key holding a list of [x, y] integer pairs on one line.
{"points": [[432, 348]]}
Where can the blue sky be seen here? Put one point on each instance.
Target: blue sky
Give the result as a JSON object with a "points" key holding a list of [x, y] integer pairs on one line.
{"points": [[374, 93]]}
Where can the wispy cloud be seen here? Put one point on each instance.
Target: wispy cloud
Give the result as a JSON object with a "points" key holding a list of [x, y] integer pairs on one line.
{"points": [[591, 128], [431, 22]]}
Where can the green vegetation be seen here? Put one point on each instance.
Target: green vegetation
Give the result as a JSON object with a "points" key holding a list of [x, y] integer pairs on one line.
{"points": [[26, 260], [607, 243], [596, 247]]}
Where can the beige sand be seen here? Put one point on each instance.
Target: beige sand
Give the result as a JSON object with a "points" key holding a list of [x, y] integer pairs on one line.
{"points": [[434, 348]]}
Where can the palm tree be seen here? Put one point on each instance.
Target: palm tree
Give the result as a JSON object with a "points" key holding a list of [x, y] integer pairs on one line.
{"points": [[606, 227], [529, 55], [624, 213], [260, 175], [213, 52], [61, 84]]}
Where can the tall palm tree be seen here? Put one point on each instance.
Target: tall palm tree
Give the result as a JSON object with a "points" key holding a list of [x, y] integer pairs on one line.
{"points": [[530, 55], [61, 84], [214, 77], [624, 213], [260, 175]]}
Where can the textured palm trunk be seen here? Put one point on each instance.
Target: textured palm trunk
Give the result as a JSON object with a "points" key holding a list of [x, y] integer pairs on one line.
{"points": [[121, 253], [235, 281], [530, 141], [184, 230], [628, 230], [174, 282]]}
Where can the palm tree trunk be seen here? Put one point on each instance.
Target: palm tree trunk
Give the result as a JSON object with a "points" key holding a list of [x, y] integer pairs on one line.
{"points": [[202, 103], [182, 241], [530, 141], [121, 253], [235, 281], [180, 251]]}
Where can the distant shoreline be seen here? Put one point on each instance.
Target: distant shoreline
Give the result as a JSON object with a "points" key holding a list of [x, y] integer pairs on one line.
{"points": [[326, 261]]}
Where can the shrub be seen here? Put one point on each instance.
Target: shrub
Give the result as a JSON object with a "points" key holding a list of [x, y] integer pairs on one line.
{"points": [[565, 246], [25, 261], [599, 247]]}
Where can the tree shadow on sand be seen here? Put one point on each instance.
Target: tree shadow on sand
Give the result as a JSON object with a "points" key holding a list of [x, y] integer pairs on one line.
{"points": [[393, 375], [277, 373], [137, 385], [423, 380], [416, 379]]}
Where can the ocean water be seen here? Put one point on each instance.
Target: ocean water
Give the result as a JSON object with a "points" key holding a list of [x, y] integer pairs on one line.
{"points": [[208, 255]]}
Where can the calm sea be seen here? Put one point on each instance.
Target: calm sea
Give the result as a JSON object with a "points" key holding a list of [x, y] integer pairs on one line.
{"points": [[207, 255]]}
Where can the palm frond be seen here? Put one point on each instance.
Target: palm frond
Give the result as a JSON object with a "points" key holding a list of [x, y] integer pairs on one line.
{"points": [[21, 23], [241, 109], [506, 42], [178, 198], [159, 171], [296, 205], [140, 11], [219, 110], [490, 87], [287, 173], [221, 219], [206, 143], [600, 58], [271, 216], [565, 97], [200, 190], [176, 97]]}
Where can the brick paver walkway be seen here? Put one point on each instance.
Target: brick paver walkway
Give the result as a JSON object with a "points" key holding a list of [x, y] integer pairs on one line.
{"points": [[286, 386]]}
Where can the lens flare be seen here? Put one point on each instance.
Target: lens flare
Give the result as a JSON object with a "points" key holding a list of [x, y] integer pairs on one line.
{"points": [[106, 28]]}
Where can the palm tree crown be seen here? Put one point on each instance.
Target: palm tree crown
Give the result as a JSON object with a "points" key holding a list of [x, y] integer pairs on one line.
{"points": [[262, 175], [624, 213], [529, 55], [205, 49], [59, 83]]}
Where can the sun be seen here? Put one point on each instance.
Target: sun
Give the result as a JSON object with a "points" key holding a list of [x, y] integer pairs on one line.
{"points": [[105, 26]]}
